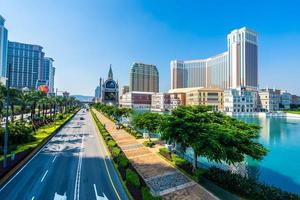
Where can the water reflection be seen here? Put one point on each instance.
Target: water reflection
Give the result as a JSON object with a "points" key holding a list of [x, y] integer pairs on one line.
{"points": [[281, 167]]}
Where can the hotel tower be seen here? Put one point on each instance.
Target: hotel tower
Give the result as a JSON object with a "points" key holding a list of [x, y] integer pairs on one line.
{"points": [[237, 67]]}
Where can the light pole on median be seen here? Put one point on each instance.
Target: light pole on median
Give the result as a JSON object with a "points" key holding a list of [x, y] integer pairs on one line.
{"points": [[6, 119]]}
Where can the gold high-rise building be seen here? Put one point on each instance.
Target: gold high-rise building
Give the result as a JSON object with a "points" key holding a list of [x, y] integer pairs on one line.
{"points": [[143, 78]]}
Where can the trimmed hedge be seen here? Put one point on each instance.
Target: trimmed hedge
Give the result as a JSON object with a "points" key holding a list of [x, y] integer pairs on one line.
{"points": [[116, 151], [146, 195], [133, 178], [148, 144], [111, 143], [165, 153], [178, 161], [123, 161]]}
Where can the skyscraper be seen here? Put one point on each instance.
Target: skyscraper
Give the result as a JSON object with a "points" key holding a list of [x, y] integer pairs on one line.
{"points": [[26, 62], [234, 68], [143, 78], [3, 51], [47, 73], [243, 61]]}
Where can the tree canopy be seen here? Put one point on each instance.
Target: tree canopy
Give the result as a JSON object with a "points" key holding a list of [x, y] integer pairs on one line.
{"points": [[211, 134]]}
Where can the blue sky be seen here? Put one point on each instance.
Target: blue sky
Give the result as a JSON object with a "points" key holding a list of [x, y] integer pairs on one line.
{"points": [[85, 36]]}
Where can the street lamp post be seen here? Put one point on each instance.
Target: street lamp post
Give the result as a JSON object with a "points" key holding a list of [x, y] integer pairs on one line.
{"points": [[6, 119]]}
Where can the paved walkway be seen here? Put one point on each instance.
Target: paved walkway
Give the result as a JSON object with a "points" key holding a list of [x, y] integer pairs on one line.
{"points": [[162, 178]]}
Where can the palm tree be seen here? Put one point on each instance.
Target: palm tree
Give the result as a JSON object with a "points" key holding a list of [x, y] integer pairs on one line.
{"points": [[52, 102], [23, 99], [2, 99], [13, 100], [33, 100]]}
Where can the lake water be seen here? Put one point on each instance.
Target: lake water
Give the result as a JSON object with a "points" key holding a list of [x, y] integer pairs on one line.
{"points": [[281, 166]]}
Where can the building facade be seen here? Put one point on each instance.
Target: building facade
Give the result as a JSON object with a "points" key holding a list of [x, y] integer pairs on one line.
{"points": [[206, 96], [285, 100], [143, 78], [160, 102], [26, 62], [47, 73], [124, 89], [243, 58], [177, 99], [234, 68], [110, 90], [97, 92], [3, 51], [140, 101], [269, 100], [240, 100]]}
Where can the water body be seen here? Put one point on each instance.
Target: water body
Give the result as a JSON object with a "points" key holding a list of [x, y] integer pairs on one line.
{"points": [[281, 166]]}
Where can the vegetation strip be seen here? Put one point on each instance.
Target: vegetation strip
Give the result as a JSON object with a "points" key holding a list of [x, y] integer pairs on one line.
{"points": [[133, 182], [19, 165]]}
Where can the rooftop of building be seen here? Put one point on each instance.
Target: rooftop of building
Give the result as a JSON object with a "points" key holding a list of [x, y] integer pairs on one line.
{"points": [[191, 89], [139, 92], [246, 29], [2, 20], [141, 63], [49, 58], [202, 60], [25, 44]]}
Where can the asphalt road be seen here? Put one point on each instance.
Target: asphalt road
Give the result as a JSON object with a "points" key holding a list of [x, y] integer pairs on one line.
{"points": [[73, 165]]}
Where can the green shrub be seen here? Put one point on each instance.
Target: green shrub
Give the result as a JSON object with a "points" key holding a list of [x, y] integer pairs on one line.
{"points": [[148, 144], [107, 138], [164, 150], [60, 116], [198, 173], [138, 136], [178, 161], [116, 151], [133, 178], [111, 143], [147, 195], [123, 161], [165, 153]]}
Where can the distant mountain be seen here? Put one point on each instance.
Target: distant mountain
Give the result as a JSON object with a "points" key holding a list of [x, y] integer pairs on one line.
{"points": [[83, 98]]}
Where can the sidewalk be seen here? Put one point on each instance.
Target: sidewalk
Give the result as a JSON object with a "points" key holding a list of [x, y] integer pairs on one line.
{"points": [[162, 178]]}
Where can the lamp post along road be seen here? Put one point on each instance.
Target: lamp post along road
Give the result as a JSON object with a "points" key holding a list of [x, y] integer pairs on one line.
{"points": [[6, 119]]}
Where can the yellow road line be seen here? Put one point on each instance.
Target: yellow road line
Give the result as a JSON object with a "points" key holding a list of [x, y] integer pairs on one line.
{"points": [[96, 127]]}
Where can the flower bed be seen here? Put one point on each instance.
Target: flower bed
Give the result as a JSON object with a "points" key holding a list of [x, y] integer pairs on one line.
{"points": [[131, 179]]}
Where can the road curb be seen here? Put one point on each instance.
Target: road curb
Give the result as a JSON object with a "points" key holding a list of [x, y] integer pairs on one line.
{"points": [[18, 166]]}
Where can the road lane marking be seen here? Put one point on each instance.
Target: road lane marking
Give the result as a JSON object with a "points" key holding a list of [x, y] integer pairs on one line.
{"points": [[78, 173], [60, 197], [44, 176], [51, 140], [28, 162], [93, 123], [54, 158], [99, 197]]}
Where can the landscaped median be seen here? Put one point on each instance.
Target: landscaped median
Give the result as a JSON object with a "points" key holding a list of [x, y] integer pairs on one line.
{"points": [[135, 185], [26, 151]]}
